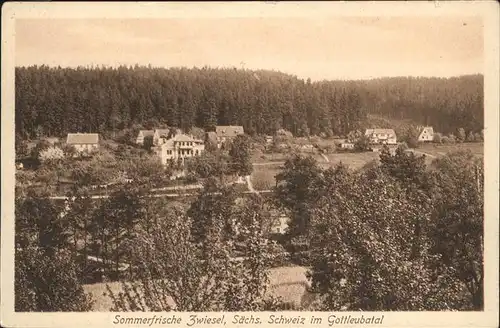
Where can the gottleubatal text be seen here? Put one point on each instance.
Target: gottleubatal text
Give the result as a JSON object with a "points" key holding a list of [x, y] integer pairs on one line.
{"points": [[191, 320]]}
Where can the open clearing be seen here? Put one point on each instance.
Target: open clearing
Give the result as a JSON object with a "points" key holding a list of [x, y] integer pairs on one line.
{"points": [[353, 160], [288, 282], [263, 176], [477, 148], [265, 170]]}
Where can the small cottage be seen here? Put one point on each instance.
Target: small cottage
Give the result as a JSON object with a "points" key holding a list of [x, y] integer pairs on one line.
{"points": [[84, 143]]}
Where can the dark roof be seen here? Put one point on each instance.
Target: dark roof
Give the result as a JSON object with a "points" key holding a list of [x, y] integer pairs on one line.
{"points": [[82, 138], [229, 130], [163, 132]]}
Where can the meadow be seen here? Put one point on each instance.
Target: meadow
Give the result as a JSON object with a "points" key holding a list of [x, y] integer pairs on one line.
{"points": [[477, 148], [289, 282], [263, 176]]}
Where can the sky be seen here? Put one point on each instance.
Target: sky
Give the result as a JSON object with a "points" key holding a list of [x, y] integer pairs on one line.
{"points": [[325, 47]]}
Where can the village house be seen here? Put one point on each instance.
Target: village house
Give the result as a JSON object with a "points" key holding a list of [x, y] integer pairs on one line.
{"points": [[381, 136], [280, 225], [83, 143], [180, 146], [227, 133], [347, 145], [425, 134]]}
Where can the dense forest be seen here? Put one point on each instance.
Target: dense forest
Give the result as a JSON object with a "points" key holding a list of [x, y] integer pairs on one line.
{"points": [[54, 101]]}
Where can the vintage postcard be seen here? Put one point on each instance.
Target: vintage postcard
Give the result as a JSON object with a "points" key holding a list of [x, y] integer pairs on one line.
{"points": [[250, 164]]}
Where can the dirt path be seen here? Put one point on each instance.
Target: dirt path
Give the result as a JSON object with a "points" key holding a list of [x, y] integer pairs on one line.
{"points": [[422, 153], [325, 157], [249, 183], [181, 187], [268, 163]]}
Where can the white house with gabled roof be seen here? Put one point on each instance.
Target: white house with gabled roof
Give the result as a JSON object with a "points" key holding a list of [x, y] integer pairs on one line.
{"points": [[425, 134], [83, 143]]}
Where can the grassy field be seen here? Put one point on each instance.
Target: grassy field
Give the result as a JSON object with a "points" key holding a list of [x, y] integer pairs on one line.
{"points": [[477, 148], [259, 157], [290, 283], [353, 160], [263, 176]]}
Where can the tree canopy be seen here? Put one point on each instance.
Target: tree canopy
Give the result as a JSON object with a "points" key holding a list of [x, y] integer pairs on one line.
{"points": [[55, 101]]}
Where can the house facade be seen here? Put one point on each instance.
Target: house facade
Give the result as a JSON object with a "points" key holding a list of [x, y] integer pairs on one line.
{"points": [[280, 223], [426, 134], [180, 146], [381, 136], [84, 143], [227, 133]]}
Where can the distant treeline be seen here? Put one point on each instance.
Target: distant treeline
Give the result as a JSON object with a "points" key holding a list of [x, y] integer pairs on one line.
{"points": [[55, 101]]}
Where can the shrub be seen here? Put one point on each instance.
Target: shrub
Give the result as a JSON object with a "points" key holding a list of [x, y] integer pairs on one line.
{"points": [[51, 154], [438, 138]]}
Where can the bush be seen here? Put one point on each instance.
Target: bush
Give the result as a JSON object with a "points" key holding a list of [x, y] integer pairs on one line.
{"points": [[51, 154], [438, 138], [404, 145], [48, 283], [450, 139]]}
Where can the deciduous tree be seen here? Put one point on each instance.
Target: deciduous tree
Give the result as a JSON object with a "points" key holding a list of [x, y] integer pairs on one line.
{"points": [[48, 282], [458, 218], [240, 156]]}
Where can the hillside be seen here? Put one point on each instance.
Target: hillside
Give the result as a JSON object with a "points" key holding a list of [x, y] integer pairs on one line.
{"points": [[55, 101], [377, 121]]}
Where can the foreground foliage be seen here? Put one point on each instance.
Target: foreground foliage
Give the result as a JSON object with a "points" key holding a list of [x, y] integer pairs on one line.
{"points": [[223, 269], [394, 236], [48, 282]]}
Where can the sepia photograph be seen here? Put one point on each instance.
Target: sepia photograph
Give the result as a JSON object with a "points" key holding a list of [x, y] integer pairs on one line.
{"points": [[259, 162]]}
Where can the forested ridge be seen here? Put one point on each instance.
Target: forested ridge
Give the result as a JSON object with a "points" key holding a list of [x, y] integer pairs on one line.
{"points": [[54, 101]]}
